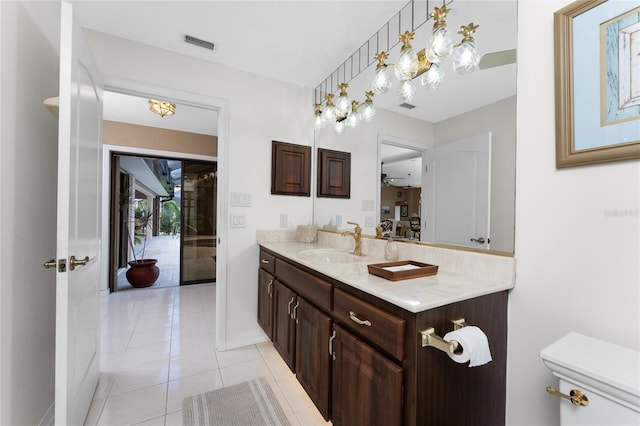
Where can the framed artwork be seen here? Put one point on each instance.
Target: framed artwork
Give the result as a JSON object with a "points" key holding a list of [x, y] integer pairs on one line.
{"points": [[290, 169], [597, 82], [334, 174], [404, 210]]}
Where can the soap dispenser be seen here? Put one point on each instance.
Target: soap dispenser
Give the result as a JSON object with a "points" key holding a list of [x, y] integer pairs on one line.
{"points": [[391, 249]]}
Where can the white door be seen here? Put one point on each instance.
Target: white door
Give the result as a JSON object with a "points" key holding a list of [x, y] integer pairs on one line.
{"points": [[456, 207], [78, 222]]}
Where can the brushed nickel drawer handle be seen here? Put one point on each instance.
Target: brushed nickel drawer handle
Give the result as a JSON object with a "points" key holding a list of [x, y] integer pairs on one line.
{"points": [[294, 315], [357, 320], [265, 261], [289, 306]]}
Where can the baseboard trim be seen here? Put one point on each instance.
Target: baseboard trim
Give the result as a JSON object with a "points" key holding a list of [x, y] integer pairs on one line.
{"points": [[49, 418]]}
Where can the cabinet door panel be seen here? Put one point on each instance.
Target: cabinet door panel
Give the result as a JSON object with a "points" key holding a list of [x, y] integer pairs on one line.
{"points": [[367, 387], [313, 364], [266, 283], [284, 327]]}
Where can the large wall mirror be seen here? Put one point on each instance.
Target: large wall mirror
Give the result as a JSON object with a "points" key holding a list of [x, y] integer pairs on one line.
{"points": [[446, 157]]}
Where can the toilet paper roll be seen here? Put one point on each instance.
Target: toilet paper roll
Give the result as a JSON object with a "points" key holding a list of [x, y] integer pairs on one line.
{"points": [[474, 343]]}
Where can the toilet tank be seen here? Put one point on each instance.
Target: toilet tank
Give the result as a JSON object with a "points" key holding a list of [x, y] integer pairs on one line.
{"points": [[608, 375]]}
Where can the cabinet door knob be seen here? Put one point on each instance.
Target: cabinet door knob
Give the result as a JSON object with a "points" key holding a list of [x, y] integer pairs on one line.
{"points": [[357, 320]]}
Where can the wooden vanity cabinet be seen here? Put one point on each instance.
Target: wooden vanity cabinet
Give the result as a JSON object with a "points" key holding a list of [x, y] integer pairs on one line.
{"points": [[266, 284], [367, 387], [284, 331], [380, 374], [313, 362], [309, 300]]}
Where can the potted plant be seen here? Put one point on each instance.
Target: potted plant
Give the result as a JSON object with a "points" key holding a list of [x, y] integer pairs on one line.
{"points": [[143, 272]]}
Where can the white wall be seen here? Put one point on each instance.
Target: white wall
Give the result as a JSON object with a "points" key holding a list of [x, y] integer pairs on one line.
{"points": [[28, 170], [498, 118], [577, 265], [261, 110]]}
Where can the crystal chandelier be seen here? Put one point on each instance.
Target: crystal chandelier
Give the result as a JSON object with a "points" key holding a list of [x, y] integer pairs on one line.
{"points": [[427, 64]]}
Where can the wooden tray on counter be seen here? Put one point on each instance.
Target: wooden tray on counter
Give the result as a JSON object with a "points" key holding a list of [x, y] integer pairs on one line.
{"points": [[402, 270]]}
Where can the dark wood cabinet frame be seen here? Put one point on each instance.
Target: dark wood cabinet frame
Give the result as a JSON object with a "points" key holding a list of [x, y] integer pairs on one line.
{"points": [[334, 174], [290, 169]]}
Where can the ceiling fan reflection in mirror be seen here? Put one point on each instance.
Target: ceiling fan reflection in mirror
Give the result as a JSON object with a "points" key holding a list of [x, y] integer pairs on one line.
{"points": [[384, 179]]}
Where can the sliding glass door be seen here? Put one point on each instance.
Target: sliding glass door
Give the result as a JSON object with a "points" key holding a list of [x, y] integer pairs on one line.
{"points": [[198, 236]]}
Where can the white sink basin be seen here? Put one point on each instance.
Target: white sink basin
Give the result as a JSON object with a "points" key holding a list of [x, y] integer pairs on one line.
{"points": [[328, 256]]}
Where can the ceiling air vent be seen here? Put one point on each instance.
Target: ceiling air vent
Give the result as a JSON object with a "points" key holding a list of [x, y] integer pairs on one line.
{"points": [[406, 105], [196, 41]]}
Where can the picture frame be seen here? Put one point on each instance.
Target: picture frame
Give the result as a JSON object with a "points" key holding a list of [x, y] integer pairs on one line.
{"points": [[597, 121], [404, 210]]}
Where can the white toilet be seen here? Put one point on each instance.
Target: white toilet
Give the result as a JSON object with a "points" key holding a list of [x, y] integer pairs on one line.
{"points": [[607, 375]]}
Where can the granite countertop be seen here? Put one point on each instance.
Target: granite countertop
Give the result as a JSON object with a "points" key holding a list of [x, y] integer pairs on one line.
{"points": [[414, 295]]}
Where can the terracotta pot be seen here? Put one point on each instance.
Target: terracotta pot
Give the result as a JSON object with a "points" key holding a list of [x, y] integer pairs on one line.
{"points": [[143, 273]]}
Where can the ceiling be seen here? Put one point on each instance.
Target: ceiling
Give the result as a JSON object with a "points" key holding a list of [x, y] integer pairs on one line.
{"points": [[303, 42]]}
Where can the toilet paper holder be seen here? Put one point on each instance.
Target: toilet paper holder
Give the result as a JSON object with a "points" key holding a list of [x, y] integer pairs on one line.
{"points": [[430, 338]]}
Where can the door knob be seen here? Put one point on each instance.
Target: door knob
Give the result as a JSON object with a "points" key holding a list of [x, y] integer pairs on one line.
{"points": [[480, 240], [73, 262]]}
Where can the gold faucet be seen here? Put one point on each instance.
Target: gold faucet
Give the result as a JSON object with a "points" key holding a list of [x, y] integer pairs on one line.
{"points": [[357, 234]]}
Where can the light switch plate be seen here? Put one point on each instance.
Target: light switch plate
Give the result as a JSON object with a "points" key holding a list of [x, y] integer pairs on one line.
{"points": [[368, 205], [238, 221], [240, 199], [338, 220], [283, 221]]}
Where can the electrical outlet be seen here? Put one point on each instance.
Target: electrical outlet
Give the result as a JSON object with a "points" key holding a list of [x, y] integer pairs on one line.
{"points": [[338, 220], [283, 221], [368, 221]]}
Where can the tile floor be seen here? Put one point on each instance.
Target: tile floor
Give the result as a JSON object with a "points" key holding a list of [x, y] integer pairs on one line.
{"points": [[157, 347]]}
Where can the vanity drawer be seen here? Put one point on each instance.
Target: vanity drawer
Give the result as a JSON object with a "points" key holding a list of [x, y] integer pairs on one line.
{"points": [[268, 262], [314, 289], [380, 327]]}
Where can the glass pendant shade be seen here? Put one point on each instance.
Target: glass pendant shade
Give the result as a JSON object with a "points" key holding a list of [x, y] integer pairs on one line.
{"points": [[339, 127], [407, 66], [318, 122], [329, 114], [367, 111], [382, 82], [440, 45], [351, 120], [343, 106], [406, 90], [432, 78], [465, 58]]}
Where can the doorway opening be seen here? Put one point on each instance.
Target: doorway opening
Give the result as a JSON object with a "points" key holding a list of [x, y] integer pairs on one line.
{"points": [[400, 193], [163, 209]]}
